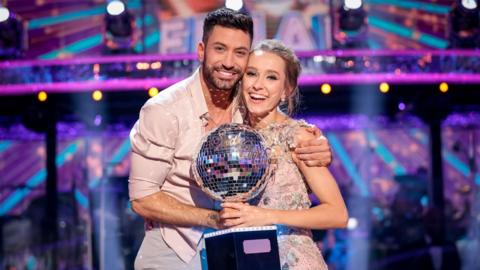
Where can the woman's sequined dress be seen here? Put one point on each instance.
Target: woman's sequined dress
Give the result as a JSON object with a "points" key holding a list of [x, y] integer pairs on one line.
{"points": [[287, 190]]}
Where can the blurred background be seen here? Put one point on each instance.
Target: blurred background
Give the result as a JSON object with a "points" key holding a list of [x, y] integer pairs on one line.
{"points": [[394, 85]]}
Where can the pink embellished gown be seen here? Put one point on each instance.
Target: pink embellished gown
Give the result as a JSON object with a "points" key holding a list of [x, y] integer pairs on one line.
{"points": [[287, 190]]}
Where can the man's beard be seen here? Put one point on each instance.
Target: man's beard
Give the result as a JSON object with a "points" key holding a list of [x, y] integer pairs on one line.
{"points": [[218, 84]]}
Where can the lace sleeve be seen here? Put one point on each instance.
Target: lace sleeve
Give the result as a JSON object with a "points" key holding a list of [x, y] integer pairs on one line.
{"points": [[291, 138]]}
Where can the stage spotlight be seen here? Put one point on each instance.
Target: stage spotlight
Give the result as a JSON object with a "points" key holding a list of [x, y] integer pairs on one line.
{"points": [[469, 4], [234, 4], [42, 96], [4, 14], [352, 223], [12, 37], [326, 88], [97, 121], [352, 26], [464, 25], [97, 95], [352, 4], [142, 66], [152, 91], [156, 65], [352, 15], [384, 87], [443, 87], [115, 8], [119, 35]]}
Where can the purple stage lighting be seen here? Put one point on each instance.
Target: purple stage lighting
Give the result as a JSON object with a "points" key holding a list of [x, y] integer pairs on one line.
{"points": [[98, 120]]}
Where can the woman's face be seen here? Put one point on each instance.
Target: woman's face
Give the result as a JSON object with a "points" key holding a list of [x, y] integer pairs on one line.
{"points": [[264, 83]]}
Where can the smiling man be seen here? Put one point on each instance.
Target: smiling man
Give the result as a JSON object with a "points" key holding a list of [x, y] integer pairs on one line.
{"points": [[168, 131]]}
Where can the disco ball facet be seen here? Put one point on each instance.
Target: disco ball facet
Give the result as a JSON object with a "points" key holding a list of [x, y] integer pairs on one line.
{"points": [[232, 163]]}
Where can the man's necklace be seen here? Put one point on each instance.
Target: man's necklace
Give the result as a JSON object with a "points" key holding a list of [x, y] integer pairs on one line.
{"points": [[221, 119]]}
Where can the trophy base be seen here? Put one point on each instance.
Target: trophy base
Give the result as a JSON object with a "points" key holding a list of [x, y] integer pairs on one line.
{"points": [[243, 249]]}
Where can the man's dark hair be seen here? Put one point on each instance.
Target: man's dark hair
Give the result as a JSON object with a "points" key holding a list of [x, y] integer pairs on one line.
{"points": [[227, 18]]}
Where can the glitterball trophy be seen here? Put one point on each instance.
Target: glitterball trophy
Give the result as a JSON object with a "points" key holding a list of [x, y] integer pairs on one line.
{"points": [[232, 164]]}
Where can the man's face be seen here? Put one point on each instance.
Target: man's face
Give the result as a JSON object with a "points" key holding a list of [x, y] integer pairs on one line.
{"points": [[224, 57]]}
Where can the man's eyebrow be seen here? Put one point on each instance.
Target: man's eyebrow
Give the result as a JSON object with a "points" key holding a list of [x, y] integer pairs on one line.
{"points": [[242, 48], [224, 45], [219, 43]]}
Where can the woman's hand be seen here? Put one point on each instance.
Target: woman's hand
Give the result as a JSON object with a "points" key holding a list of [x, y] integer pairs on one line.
{"points": [[235, 214]]}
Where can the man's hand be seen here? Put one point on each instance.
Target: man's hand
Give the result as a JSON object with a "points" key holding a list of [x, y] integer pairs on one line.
{"points": [[237, 214], [315, 152], [163, 208]]}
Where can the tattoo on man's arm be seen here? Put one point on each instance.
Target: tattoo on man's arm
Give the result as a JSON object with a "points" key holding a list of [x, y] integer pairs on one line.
{"points": [[213, 216]]}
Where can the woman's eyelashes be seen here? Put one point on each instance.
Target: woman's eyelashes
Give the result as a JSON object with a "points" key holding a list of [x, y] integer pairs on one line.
{"points": [[250, 73], [272, 77]]}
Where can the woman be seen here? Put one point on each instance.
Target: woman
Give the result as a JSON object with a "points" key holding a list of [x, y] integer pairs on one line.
{"points": [[269, 82]]}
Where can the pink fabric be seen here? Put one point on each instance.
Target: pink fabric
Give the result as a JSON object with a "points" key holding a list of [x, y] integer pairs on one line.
{"points": [[164, 140], [287, 190]]}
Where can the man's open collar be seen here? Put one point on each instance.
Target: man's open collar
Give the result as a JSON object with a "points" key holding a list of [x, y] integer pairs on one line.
{"points": [[194, 85]]}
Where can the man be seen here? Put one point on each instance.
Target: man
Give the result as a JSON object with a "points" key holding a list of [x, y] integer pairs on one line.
{"points": [[169, 130]]}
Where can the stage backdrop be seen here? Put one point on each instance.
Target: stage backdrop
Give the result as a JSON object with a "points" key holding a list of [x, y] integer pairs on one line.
{"points": [[60, 29]]}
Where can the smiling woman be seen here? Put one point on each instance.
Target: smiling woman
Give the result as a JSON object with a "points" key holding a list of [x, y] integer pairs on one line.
{"points": [[264, 85], [270, 79]]}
